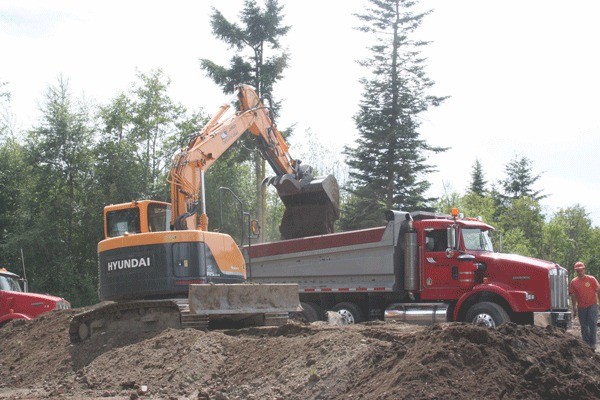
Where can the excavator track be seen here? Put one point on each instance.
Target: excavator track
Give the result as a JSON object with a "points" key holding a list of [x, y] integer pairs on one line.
{"points": [[133, 317], [142, 316], [276, 319], [189, 320]]}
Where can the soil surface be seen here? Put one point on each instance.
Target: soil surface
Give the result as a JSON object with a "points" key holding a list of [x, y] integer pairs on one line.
{"points": [[318, 361]]}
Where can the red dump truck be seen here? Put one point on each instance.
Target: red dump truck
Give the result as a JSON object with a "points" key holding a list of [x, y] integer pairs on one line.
{"points": [[420, 268], [18, 304]]}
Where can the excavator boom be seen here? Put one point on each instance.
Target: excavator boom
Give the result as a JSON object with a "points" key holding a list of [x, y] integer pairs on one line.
{"points": [[312, 203]]}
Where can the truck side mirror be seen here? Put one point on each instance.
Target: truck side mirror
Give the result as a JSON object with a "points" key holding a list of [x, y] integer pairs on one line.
{"points": [[25, 285], [255, 228], [451, 237], [451, 240]]}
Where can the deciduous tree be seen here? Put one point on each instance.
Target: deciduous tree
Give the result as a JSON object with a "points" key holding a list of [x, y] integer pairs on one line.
{"points": [[59, 151], [568, 237], [155, 117]]}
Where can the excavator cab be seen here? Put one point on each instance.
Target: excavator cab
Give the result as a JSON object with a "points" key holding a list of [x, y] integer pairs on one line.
{"points": [[136, 217]]}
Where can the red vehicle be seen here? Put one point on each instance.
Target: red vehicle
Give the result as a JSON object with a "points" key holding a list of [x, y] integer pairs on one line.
{"points": [[18, 304], [420, 268]]}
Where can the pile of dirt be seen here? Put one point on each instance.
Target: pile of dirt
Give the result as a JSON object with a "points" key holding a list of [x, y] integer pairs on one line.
{"points": [[318, 361]]}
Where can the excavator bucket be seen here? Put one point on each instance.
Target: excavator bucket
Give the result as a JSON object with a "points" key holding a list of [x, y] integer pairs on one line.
{"points": [[311, 206], [243, 298]]}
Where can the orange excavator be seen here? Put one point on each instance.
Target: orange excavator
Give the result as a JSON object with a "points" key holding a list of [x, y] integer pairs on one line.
{"points": [[160, 266]]}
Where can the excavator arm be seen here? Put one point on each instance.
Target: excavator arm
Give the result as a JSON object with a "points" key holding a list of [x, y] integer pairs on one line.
{"points": [[312, 205]]}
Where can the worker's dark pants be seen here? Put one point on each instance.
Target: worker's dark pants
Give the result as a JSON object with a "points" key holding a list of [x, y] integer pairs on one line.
{"points": [[588, 318]]}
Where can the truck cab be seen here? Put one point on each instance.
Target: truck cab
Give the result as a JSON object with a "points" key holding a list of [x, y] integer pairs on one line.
{"points": [[455, 262], [18, 304]]}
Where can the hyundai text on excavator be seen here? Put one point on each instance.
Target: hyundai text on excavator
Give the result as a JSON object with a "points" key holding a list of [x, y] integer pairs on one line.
{"points": [[159, 268]]}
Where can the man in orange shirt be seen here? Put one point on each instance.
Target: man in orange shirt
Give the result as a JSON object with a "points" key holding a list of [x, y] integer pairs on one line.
{"points": [[584, 290]]}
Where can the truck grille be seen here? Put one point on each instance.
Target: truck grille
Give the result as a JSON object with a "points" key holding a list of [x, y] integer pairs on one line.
{"points": [[559, 288]]}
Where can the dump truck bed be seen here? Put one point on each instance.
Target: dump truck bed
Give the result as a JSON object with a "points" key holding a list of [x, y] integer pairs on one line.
{"points": [[356, 260]]}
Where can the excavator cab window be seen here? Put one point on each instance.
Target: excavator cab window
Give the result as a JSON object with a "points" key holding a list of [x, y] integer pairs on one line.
{"points": [[120, 221], [159, 217]]}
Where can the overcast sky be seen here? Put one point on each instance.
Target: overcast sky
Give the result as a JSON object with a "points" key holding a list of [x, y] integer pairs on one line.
{"points": [[523, 76]]}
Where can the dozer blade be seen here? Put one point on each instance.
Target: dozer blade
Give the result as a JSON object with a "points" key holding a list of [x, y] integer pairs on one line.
{"points": [[311, 207], [244, 298]]}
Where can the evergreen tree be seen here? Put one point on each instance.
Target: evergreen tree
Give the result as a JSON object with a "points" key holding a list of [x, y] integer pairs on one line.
{"points": [[520, 180], [388, 163], [260, 32], [478, 182]]}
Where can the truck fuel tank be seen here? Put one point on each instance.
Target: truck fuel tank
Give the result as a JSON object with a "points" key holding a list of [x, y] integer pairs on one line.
{"points": [[417, 313]]}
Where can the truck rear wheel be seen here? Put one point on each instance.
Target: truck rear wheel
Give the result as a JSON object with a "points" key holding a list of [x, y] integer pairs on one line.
{"points": [[487, 314], [350, 313]]}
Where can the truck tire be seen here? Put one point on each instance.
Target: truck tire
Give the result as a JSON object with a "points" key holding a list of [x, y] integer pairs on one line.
{"points": [[350, 313], [487, 314], [312, 312]]}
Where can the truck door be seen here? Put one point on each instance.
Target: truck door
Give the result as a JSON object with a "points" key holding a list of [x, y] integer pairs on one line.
{"points": [[440, 273]]}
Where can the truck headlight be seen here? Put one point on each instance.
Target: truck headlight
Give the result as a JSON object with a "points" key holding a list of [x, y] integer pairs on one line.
{"points": [[529, 296], [62, 305]]}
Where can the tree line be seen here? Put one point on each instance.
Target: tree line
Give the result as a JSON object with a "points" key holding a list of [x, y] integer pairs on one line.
{"points": [[56, 176], [512, 205]]}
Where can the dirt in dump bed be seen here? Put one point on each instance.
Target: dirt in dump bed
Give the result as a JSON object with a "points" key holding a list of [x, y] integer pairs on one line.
{"points": [[317, 361]]}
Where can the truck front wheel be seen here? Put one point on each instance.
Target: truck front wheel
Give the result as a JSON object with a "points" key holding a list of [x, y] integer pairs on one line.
{"points": [[487, 314], [349, 313], [311, 312]]}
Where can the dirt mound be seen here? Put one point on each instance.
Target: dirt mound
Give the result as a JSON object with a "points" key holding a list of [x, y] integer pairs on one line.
{"points": [[318, 361]]}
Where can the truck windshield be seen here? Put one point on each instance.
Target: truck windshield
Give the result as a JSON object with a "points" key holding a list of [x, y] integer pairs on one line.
{"points": [[477, 239], [9, 283], [120, 221]]}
